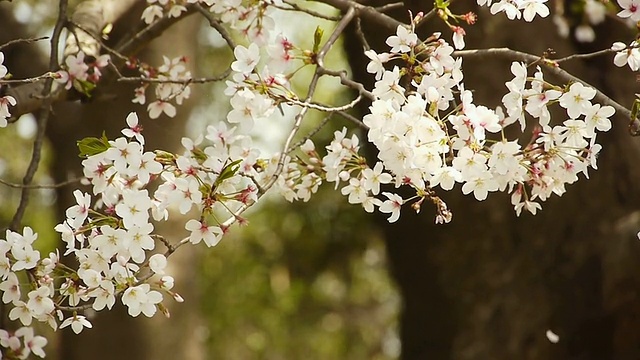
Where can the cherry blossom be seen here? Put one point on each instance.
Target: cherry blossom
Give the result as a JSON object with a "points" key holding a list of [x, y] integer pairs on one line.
{"points": [[392, 206], [202, 231], [630, 9], [77, 323], [246, 58], [141, 299], [402, 41]]}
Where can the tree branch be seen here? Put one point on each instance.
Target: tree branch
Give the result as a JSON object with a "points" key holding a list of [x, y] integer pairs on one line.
{"points": [[45, 111]]}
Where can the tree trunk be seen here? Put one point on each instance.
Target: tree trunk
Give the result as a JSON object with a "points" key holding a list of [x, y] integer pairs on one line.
{"points": [[489, 285], [115, 334]]}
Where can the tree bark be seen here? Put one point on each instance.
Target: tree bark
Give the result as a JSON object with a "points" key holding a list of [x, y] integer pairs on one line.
{"points": [[489, 285]]}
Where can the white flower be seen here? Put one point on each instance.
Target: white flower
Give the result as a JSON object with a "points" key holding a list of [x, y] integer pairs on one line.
{"points": [[21, 311], [141, 299], [388, 88], [458, 37], [201, 231], [151, 13], [3, 69], [376, 65], [160, 106], [39, 301], [509, 8], [392, 206], [446, 177], [134, 208], [77, 322], [246, 58], [630, 9], [78, 213], [157, 263], [32, 343], [480, 184], [104, 296], [11, 289], [138, 240], [530, 206], [374, 177], [402, 41], [134, 130], [532, 7], [576, 100]]}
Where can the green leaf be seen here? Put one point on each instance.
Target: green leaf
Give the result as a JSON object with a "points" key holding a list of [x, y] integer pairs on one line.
{"points": [[317, 38], [84, 87], [90, 146], [228, 172]]}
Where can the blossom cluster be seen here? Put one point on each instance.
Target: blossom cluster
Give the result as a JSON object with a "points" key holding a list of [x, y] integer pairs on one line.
{"points": [[110, 231], [424, 144], [516, 9], [15, 348], [172, 85], [251, 18], [81, 72]]}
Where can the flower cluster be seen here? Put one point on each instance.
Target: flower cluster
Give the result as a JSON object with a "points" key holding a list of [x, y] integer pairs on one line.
{"points": [[252, 18], [424, 144], [112, 237], [172, 85], [516, 9], [15, 348], [158, 8], [627, 55], [81, 72]]}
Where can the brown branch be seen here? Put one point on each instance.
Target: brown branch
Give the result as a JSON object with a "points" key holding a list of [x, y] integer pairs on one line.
{"points": [[296, 7], [18, 41], [41, 186], [216, 24], [367, 13], [45, 111], [583, 56]]}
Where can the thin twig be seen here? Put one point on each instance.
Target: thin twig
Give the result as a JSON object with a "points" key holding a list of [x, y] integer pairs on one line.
{"points": [[41, 186], [216, 24], [29, 80], [102, 44], [310, 134], [18, 41], [389, 7], [353, 119], [360, 34], [345, 80], [174, 81], [583, 56], [296, 7], [324, 108]]}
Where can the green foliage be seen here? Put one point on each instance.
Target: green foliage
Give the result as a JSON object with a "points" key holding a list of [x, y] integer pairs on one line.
{"points": [[302, 281], [90, 146]]}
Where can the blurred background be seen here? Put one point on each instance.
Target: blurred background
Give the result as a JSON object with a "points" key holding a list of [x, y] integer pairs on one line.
{"points": [[324, 280]]}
